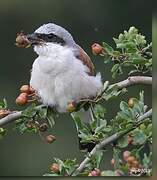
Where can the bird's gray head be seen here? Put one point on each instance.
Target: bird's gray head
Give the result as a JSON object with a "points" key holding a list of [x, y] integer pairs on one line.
{"points": [[51, 33]]}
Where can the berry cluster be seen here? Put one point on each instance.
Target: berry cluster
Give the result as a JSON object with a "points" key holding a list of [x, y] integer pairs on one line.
{"points": [[25, 92], [41, 128], [129, 161]]}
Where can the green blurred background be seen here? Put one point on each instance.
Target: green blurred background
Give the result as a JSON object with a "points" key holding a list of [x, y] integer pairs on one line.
{"points": [[88, 21]]}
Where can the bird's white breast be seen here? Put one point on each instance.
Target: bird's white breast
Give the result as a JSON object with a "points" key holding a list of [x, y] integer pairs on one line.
{"points": [[59, 77]]}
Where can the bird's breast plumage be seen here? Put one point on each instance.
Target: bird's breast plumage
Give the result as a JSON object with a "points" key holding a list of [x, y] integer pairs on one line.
{"points": [[59, 77]]}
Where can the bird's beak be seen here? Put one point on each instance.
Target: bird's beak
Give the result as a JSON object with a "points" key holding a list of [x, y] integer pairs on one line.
{"points": [[34, 39], [28, 40]]}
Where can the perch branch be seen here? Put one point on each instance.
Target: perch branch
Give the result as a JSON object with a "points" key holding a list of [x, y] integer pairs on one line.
{"points": [[107, 141], [133, 80], [14, 116]]}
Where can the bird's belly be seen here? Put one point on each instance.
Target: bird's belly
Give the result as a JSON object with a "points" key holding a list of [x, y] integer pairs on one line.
{"points": [[57, 90]]}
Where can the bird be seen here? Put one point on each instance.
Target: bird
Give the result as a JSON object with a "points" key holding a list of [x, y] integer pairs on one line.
{"points": [[62, 72]]}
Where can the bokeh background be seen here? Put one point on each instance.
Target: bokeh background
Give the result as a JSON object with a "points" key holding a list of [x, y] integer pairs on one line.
{"points": [[88, 21]]}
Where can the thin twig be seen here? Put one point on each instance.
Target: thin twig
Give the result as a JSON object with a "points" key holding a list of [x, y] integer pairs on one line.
{"points": [[107, 141], [14, 116]]}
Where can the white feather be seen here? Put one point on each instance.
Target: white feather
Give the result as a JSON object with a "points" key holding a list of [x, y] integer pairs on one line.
{"points": [[59, 77]]}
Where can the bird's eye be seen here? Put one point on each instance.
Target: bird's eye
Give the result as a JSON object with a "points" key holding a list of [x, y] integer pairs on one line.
{"points": [[39, 36], [50, 36]]}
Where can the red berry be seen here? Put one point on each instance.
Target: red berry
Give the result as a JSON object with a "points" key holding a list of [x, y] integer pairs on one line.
{"points": [[97, 49], [50, 139]]}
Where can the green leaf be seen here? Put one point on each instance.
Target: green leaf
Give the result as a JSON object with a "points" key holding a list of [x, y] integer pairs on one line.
{"points": [[116, 54], [2, 132], [30, 111], [105, 86], [108, 173], [100, 128], [139, 61], [60, 163], [139, 137], [3, 104], [96, 159], [99, 155], [70, 165], [133, 30], [50, 116], [147, 160], [108, 48], [43, 113], [123, 142], [51, 174], [112, 91], [116, 69], [125, 108], [99, 111], [78, 122], [116, 153], [140, 40]]}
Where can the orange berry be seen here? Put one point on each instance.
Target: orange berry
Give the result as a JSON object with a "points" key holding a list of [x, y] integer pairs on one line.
{"points": [[131, 102], [23, 95], [50, 139], [22, 99], [25, 89], [97, 49], [135, 164], [126, 154], [130, 159], [54, 167]]}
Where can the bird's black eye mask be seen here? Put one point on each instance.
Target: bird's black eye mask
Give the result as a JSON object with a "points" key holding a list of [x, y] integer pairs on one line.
{"points": [[50, 38]]}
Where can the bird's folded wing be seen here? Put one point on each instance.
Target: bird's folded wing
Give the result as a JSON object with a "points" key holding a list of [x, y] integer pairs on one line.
{"points": [[83, 56]]}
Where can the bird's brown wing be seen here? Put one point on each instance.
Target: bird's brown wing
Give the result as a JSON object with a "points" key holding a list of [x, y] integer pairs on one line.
{"points": [[83, 56]]}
